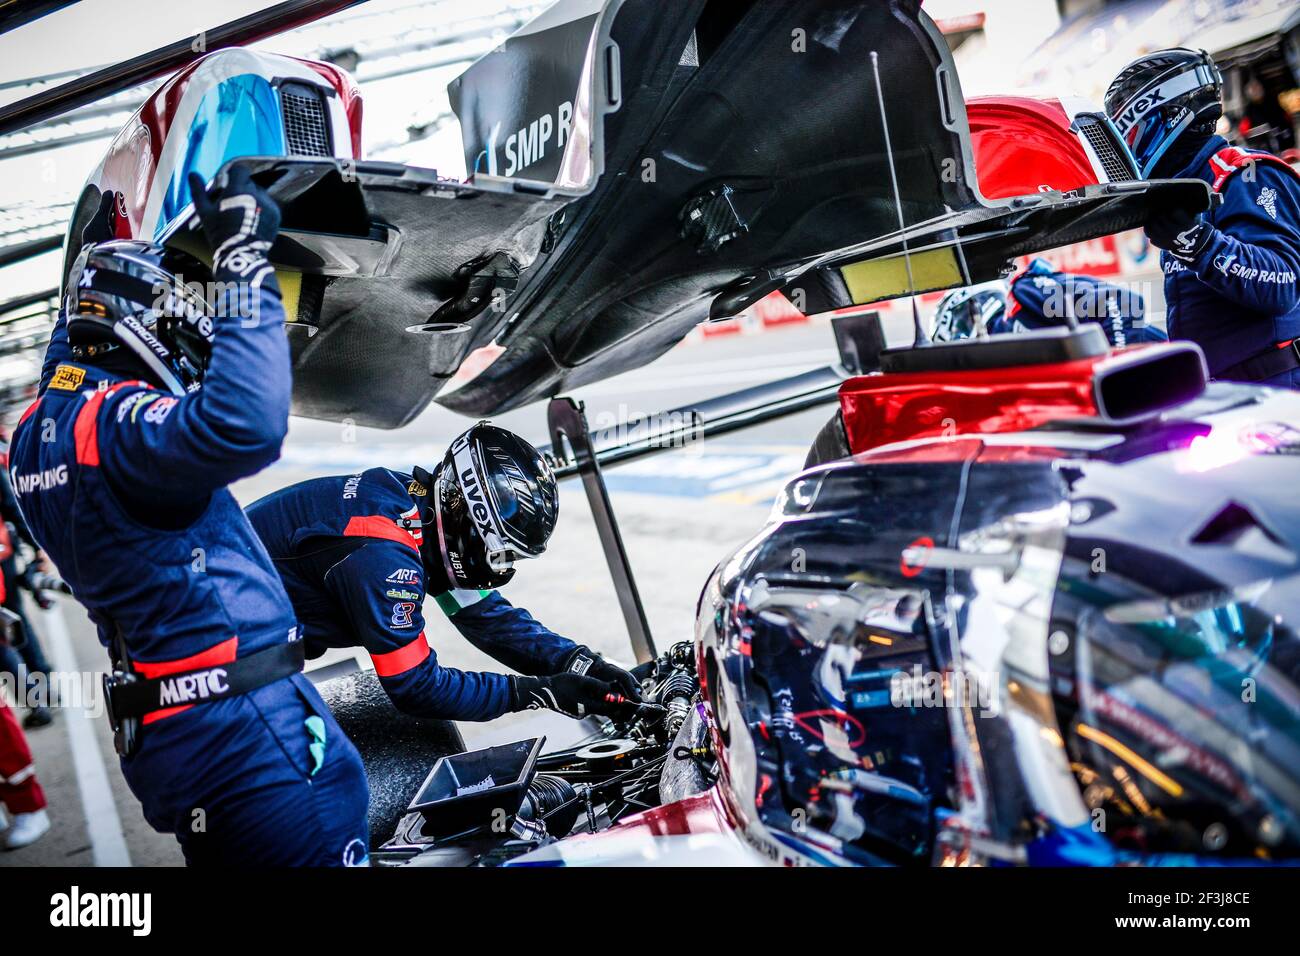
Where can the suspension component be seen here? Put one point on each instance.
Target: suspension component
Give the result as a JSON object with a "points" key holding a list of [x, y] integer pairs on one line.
{"points": [[676, 696]]}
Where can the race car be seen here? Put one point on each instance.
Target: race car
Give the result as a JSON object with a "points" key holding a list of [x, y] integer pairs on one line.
{"points": [[627, 182], [1043, 613], [970, 634]]}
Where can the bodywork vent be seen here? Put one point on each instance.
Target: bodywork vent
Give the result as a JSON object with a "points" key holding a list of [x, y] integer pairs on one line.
{"points": [[306, 121], [1103, 143]]}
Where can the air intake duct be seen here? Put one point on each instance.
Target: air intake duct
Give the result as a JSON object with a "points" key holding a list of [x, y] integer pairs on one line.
{"points": [[1136, 384]]}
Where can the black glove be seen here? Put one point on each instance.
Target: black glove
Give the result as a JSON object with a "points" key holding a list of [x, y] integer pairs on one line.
{"points": [[1180, 232], [100, 226], [586, 661], [240, 221], [570, 694]]}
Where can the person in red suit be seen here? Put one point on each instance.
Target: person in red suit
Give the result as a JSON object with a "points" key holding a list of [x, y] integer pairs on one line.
{"points": [[20, 792]]}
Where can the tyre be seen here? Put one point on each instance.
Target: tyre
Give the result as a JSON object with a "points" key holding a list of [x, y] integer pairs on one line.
{"points": [[396, 748], [831, 443]]}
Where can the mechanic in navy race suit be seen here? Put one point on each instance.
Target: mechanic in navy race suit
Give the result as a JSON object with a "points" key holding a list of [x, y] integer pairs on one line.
{"points": [[1040, 297], [359, 553], [1230, 273], [152, 400]]}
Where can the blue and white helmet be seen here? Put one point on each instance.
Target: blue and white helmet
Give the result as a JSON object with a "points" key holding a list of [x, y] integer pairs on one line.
{"points": [[971, 311], [1159, 97]]}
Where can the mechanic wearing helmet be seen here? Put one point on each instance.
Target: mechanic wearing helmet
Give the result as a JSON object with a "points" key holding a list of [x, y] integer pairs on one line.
{"points": [[1230, 273], [359, 553], [1040, 297], [153, 399], [972, 311]]}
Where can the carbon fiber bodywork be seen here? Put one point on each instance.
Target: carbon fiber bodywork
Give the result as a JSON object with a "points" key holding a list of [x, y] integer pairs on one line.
{"points": [[745, 147]]}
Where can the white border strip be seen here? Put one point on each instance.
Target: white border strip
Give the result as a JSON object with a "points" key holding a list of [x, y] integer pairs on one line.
{"points": [[107, 842]]}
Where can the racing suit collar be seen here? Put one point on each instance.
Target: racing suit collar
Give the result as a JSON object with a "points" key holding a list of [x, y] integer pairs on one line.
{"points": [[419, 485], [1199, 166], [117, 366], [90, 378]]}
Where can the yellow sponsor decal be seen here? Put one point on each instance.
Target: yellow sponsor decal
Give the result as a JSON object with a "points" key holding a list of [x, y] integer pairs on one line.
{"points": [[874, 279], [68, 378], [413, 487]]}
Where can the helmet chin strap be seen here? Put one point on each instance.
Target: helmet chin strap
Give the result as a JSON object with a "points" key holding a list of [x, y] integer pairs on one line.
{"points": [[132, 339], [1166, 147]]}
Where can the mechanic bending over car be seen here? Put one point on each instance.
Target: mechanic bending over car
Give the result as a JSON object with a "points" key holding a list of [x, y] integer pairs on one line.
{"points": [[1230, 273], [153, 400], [358, 554], [1039, 297]]}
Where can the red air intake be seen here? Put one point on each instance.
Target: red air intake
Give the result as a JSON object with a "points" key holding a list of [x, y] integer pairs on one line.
{"points": [[1121, 388]]}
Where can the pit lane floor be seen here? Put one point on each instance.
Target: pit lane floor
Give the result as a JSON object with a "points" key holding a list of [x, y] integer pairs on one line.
{"points": [[680, 513]]}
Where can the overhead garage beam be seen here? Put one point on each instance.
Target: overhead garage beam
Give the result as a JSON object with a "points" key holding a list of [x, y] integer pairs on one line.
{"points": [[23, 301], [86, 89], [15, 14], [26, 250]]}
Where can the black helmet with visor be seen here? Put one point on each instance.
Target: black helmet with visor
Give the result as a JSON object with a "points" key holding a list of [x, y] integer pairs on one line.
{"points": [[494, 502]]}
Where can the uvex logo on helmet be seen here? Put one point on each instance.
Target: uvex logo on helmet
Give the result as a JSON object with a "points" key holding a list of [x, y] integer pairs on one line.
{"points": [[1137, 108], [478, 508]]}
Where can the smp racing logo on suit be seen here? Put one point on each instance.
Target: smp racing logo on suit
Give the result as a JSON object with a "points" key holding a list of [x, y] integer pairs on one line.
{"points": [[41, 480], [1229, 266]]}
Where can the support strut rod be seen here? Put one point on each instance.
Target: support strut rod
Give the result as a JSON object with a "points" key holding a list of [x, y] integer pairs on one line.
{"points": [[576, 451]]}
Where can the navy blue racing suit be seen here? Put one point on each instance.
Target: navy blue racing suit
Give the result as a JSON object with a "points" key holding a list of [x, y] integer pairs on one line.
{"points": [[1040, 297], [28, 655], [348, 550], [1239, 298], [124, 487]]}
